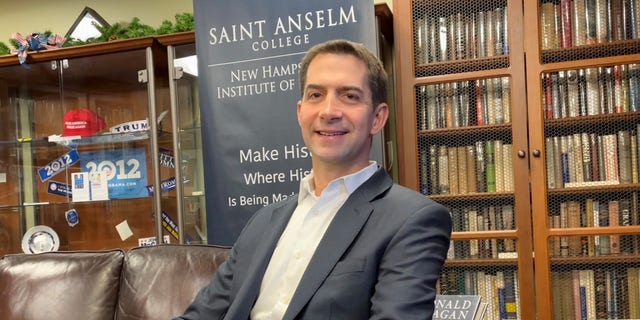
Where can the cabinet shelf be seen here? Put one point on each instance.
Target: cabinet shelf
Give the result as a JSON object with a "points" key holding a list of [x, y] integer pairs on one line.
{"points": [[463, 65], [470, 197], [588, 191], [472, 263], [610, 119], [593, 51], [596, 261], [490, 130]]}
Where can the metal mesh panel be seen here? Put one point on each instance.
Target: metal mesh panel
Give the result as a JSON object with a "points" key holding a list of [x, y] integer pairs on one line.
{"points": [[591, 125], [454, 37], [600, 290], [584, 29], [497, 287], [466, 160], [464, 137]]}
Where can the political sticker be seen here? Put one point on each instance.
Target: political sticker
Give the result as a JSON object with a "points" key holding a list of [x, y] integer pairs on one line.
{"points": [[58, 165], [125, 170], [166, 158], [151, 241], [59, 188], [166, 185], [72, 217]]}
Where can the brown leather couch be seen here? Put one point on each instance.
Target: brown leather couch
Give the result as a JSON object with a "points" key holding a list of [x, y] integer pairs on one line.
{"points": [[155, 282]]}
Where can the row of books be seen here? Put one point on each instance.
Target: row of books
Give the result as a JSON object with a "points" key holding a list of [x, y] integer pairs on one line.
{"points": [[599, 293], [488, 218], [572, 23], [486, 166], [461, 36], [591, 91], [593, 212], [499, 289], [462, 104], [591, 159]]}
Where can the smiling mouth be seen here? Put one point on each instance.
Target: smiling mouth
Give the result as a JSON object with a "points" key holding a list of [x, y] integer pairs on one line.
{"points": [[330, 134]]}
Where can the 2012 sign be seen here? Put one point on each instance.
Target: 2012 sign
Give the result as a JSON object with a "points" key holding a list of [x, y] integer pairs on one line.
{"points": [[58, 165], [119, 169], [125, 169]]}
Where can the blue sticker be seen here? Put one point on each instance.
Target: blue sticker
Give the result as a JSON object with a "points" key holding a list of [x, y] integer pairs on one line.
{"points": [[125, 169], [58, 165], [166, 185], [72, 217], [59, 188]]}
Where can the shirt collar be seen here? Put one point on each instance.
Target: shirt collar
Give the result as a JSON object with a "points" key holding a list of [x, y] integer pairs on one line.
{"points": [[351, 182]]}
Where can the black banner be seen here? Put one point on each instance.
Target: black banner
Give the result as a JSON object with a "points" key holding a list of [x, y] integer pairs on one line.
{"points": [[248, 58]]}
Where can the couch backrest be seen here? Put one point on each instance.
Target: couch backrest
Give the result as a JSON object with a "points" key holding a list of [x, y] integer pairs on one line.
{"points": [[159, 282], [60, 285]]}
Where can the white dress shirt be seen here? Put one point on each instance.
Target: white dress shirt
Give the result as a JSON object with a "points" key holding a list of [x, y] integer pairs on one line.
{"points": [[300, 239]]}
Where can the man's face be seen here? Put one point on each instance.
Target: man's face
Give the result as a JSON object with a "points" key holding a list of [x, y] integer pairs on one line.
{"points": [[336, 114]]}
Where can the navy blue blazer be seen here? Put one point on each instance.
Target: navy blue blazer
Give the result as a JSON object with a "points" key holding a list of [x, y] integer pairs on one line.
{"points": [[379, 259]]}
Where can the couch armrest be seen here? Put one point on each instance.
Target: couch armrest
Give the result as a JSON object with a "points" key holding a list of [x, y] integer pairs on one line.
{"points": [[159, 282], [60, 285]]}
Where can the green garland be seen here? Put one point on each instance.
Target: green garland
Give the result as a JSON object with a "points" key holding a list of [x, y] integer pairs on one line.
{"points": [[124, 30]]}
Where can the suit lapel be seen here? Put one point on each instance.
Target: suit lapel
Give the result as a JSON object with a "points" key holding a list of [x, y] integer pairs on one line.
{"points": [[338, 237], [249, 291]]}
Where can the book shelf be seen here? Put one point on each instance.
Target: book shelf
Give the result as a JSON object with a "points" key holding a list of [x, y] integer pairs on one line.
{"points": [[565, 115], [462, 103], [582, 80]]}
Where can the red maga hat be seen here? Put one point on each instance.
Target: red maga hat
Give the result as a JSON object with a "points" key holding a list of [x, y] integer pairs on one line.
{"points": [[82, 122]]}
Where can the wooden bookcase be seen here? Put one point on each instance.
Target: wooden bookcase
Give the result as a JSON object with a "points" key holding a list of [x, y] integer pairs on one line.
{"points": [[434, 78], [596, 245], [487, 244]]}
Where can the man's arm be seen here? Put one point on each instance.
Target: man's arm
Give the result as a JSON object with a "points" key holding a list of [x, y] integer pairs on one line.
{"points": [[410, 266]]}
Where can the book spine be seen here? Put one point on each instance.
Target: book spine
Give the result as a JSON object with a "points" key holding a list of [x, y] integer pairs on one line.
{"points": [[586, 156], [566, 23], [624, 156], [548, 19], [490, 166], [506, 99], [579, 22], [590, 22], [549, 162], [602, 23], [443, 170], [614, 216], [482, 34], [443, 42], [593, 92], [471, 169], [434, 180], [461, 157], [600, 275], [481, 169], [422, 107], [480, 114]]}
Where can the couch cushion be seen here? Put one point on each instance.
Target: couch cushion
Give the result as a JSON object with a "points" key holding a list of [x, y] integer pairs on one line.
{"points": [[159, 282], [60, 285]]}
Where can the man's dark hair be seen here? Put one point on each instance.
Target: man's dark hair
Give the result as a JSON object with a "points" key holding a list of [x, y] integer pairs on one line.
{"points": [[377, 76]]}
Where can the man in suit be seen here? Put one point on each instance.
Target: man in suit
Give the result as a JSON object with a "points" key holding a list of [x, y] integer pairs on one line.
{"points": [[352, 244]]}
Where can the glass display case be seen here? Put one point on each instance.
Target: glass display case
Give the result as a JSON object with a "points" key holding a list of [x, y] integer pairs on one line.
{"points": [[88, 137], [187, 202]]}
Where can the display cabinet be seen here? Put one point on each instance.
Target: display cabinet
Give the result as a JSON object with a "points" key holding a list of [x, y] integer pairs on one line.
{"points": [[87, 139], [187, 202], [583, 90], [462, 112]]}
